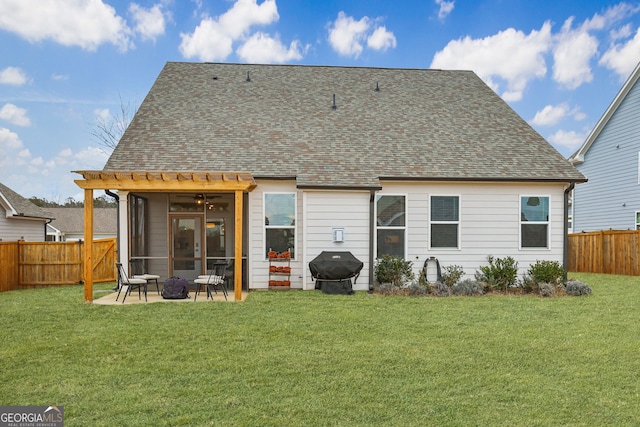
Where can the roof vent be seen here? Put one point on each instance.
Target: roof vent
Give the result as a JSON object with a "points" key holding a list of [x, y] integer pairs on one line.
{"points": [[334, 107], [248, 78], [377, 89]]}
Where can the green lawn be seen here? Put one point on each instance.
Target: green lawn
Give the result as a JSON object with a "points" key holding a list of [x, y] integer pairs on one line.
{"points": [[306, 358]]}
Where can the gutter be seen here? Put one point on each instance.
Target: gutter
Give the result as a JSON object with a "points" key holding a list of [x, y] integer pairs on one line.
{"points": [[115, 196], [45, 227], [565, 250], [372, 228]]}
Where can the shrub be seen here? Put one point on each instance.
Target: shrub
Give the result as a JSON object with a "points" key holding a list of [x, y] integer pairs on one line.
{"points": [[547, 272], [577, 288], [414, 289], [529, 285], [393, 269], [501, 273], [547, 289], [422, 281], [467, 287], [451, 274], [439, 289]]}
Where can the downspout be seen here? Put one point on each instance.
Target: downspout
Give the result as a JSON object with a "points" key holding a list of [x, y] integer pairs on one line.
{"points": [[565, 251], [45, 228], [372, 228], [115, 196]]}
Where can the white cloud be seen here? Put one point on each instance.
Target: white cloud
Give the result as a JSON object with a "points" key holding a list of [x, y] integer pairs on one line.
{"points": [[14, 115], [86, 24], [150, 23], [88, 158], [381, 39], [213, 38], [569, 139], [263, 49], [550, 115], [102, 114], [623, 57], [346, 35], [446, 7], [9, 140], [510, 55], [13, 76], [572, 54]]}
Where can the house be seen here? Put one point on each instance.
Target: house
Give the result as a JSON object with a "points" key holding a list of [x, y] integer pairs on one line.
{"points": [[233, 161], [610, 159], [20, 219], [68, 224]]}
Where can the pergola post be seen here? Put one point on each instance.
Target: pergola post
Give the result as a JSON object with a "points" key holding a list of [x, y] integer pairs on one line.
{"points": [[88, 245], [237, 272]]}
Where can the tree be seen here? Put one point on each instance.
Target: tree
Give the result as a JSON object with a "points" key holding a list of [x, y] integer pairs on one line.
{"points": [[109, 129], [103, 201]]}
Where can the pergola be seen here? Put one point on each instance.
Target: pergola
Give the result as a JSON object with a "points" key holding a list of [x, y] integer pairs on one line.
{"points": [[162, 181]]}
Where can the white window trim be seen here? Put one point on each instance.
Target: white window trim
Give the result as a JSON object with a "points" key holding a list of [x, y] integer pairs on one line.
{"points": [[293, 227], [547, 222], [458, 223], [382, 227]]}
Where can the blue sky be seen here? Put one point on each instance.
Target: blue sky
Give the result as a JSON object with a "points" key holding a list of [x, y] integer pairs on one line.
{"points": [[66, 63]]}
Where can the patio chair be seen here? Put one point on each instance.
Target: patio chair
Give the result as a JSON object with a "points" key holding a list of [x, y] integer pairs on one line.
{"points": [[216, 277], [138, 267], [130, 283]]}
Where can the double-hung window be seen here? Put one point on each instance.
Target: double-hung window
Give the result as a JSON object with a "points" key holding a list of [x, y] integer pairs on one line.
{"points": [[445, 222], [534, 222], [280, 222], [391, 225]]}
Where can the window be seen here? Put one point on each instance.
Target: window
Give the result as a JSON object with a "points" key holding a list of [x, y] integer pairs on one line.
{"points": [[637, 220], [445, 222], [391, 225], [279, 222], [534, 222]]}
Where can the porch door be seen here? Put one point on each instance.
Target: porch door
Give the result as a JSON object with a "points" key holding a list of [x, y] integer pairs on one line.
{"points": [[187, 254]]}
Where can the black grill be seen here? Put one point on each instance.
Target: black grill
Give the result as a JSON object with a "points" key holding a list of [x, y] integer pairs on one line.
{"points": [[333, 271]]}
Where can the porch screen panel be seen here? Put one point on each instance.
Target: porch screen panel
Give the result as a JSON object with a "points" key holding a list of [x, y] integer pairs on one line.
{"points": [[139, 236]]}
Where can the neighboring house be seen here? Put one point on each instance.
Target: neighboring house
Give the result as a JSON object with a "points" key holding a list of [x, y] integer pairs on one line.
{"points": [[610, 159], [68, 224], [231, 161], [20, 219]]}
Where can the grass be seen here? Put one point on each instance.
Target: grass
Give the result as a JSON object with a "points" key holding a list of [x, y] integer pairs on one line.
{"points": [[306, 358]]}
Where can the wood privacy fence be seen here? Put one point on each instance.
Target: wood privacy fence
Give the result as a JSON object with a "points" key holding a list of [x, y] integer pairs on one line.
{"points": [[609, 252], [39, 264]]}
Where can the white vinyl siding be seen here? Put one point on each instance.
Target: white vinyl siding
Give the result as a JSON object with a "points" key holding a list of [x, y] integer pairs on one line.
{"points": [[325, 210], [13, 229], [489, 223]]}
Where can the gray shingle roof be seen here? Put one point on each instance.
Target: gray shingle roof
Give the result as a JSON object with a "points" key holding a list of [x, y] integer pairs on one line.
{"points": [[420, 124], [22, 206], [71, 220]]}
